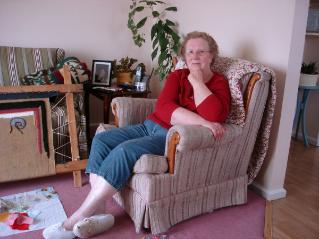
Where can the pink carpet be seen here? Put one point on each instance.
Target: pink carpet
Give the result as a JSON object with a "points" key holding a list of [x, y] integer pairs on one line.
{"points": [[240, 222]]}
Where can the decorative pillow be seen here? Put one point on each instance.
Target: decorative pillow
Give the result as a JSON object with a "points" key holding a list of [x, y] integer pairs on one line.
{"points": [[43, 77], [54, 75], [78, 69]]}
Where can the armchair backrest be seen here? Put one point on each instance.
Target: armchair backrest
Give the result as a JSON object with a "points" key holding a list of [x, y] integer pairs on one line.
{"points": [[128, 110], [255, 98], [243, 112]]}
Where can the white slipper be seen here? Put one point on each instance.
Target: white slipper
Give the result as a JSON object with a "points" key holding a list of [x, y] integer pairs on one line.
{"points": [[57, 231], [94, 225]]}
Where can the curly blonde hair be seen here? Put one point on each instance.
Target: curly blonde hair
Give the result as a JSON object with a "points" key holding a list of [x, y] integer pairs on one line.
{"points": [[213, 47]]}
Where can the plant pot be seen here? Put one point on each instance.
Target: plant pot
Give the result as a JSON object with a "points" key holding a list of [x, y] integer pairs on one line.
{"points": [[308, 80], [124, 78]]}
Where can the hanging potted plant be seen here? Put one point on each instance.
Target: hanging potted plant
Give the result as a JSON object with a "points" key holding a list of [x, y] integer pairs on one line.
{"points": [[165, 40], [309, 75]]}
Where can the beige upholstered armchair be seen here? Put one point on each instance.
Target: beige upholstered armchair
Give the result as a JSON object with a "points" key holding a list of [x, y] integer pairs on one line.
{"points": [[199, 174]]}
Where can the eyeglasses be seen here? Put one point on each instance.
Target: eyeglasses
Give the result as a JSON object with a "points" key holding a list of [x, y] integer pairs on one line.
{"points": [[199, 52]]}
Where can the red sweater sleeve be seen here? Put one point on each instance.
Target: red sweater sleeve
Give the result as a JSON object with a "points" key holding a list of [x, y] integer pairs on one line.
{"points": [[167, 101], [216, 107]]}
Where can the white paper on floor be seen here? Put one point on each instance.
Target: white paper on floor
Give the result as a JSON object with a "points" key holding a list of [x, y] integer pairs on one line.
{"points": [[43, 205]]}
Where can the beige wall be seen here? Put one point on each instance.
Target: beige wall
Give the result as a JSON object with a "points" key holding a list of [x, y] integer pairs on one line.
{"points": [[272, 177], [86, 29], [257, 30]]}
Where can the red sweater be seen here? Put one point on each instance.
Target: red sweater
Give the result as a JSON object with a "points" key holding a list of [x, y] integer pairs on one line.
{"points": [[178, 92]]}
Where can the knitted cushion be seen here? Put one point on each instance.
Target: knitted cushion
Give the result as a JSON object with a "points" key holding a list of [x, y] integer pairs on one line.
{"points": [[43, 77], [79, 71]]}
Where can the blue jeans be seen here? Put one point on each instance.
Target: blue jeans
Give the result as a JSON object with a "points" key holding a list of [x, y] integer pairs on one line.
{"points": [[115, 152]]}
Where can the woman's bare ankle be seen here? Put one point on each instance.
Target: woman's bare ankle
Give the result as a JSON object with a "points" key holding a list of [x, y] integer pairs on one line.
{"points": [[67, 225], [69, 222]]}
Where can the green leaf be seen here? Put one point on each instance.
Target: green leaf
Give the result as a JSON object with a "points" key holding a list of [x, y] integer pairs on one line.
{"points": [[139, 9], [162, 75], [163, 42], [175, 48], [141, 23], [155, 13], [159, 24], [162, 57], [170, 23], [130, 23], [150, 3], [173, 9], [167, 29], [153, 31], [154, 53], [155, 42], [176, 38]]}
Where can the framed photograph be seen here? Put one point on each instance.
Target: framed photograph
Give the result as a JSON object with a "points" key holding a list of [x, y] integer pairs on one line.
{"points": [[102, 72]]}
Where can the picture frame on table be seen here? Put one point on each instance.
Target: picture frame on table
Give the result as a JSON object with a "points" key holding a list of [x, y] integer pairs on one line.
{"points": [[102, 72]]}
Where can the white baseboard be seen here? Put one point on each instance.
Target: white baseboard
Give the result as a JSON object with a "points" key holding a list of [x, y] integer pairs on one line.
{"points": [[268, 194]]}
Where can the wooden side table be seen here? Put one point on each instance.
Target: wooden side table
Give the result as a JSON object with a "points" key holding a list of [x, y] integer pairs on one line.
{"points": [[106, 96]]}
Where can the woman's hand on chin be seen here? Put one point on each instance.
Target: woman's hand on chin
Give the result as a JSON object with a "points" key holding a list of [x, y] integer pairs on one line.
{"points": [[195, 76]]}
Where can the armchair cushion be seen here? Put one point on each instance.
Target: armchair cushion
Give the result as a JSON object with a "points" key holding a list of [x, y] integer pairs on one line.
{"points": [[149, 163]]}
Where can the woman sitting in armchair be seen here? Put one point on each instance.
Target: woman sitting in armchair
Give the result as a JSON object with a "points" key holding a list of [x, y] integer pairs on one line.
{"points": [[193, 96]]}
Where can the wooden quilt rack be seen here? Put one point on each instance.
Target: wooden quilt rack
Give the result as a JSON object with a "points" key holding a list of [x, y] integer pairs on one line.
{"points": [[76, 165]]}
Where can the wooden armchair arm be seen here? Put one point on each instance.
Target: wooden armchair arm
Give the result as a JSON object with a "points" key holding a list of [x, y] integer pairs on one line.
{"points": [[171, 150], [249, 89]]}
